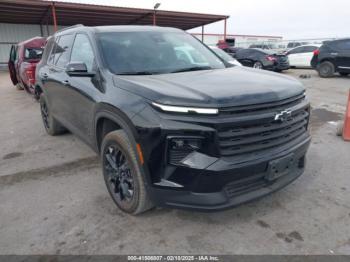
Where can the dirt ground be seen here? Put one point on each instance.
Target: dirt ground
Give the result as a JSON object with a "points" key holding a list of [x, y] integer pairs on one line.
{"points": [[53, 199]]}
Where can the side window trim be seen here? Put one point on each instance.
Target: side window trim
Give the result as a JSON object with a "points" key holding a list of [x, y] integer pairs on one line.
{"points": [[55, 41], [89, 41], [69, 50]]}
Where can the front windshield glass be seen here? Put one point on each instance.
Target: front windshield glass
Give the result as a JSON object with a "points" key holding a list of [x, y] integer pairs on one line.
{"points": [[225, 56], [154, 52]]}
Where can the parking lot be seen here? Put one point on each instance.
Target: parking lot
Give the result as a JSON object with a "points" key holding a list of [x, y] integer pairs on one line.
{"points": [[53, 199]]}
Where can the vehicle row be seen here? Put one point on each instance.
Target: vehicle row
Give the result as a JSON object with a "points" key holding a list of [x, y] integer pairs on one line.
{"points": [[327, 58]]}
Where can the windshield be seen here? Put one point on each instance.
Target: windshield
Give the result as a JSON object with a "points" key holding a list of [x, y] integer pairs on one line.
{"points": [[154, 52], [223, 54]]}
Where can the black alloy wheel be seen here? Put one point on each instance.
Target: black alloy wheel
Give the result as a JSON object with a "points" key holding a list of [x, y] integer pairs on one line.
{"points": [[123, 173], [119, 177]]}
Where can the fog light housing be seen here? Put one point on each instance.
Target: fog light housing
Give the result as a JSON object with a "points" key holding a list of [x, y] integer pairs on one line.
{"points": [[180, 147]]}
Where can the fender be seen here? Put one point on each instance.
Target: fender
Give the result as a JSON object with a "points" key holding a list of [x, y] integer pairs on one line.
{"points": [[114, 114]]}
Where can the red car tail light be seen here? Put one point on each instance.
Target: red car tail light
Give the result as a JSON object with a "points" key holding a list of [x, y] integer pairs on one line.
{"points": [[316, 52], [30, 73], [271, 58]]}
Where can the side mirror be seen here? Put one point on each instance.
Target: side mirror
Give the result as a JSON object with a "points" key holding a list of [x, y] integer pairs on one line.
{"points": [[78, 69]]}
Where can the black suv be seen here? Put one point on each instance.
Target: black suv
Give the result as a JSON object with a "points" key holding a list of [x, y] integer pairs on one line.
{"points": [[173, 124], [332, 56]]}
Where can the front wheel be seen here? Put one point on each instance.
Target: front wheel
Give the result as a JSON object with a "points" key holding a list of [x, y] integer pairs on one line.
{"points": [[123, 174], [258, 65]]}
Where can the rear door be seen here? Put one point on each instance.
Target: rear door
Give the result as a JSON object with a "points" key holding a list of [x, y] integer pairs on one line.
{"points": [[55, 77], [11, 65], [295, 56], [342, 55], [306, 56]]}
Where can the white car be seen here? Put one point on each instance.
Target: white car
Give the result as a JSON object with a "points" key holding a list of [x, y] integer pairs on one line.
{"points": [[301, 56], [225, 56]]}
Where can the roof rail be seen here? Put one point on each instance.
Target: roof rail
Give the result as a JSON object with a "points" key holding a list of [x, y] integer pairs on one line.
{"points": [[69, 27]]}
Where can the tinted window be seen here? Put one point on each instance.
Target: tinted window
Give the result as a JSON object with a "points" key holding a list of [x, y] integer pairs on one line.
{"points": [[155, 52], [297, 50], [53, 50], [243, 53], [309, 49], [62, 50], [82, 51], [33, 53], [293, 44], [343, 45], [222, 54]]}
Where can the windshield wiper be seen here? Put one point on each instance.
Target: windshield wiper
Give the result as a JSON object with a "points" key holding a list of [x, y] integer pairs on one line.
{"points": [[137, 73], [194, 68]]}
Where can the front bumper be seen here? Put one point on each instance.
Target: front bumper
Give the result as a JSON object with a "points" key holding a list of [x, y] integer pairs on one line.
{"points": [[224, 184]]}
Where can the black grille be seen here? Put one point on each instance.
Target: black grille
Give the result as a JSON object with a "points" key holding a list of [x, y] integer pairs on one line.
{"points": [[262, 134], [278, 106], [175, 156]]}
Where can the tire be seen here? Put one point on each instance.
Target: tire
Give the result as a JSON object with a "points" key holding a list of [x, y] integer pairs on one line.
{"points": [[258, 65], [124, 178], [343, 74], [326, 69], [51, 125]]}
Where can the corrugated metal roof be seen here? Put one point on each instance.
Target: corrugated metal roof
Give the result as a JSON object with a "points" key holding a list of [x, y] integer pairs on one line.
{"points": [[40, 12]]}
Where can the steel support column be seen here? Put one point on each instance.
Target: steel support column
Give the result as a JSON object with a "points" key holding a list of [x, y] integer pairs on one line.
{"points": [[47, 28], [54, 16], [225, 28], [154, 17], [202, 33], [41, 30]]}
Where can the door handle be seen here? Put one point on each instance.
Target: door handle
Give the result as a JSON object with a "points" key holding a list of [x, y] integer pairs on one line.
{"points": [[44, 76], [65, 82]]}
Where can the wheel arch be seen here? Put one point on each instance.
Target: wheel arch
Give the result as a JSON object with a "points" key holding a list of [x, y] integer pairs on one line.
{"points": [[109, 118], [328, 59]]}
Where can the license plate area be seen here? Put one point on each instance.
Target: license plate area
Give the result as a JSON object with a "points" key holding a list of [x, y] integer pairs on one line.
{"points": [[279, 167]]}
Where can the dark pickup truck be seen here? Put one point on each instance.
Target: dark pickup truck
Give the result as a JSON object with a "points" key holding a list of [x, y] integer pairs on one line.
{"points": [[172, 130]]}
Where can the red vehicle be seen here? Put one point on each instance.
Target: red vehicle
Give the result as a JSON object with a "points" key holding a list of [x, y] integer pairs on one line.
{"points": [[24, 57]]}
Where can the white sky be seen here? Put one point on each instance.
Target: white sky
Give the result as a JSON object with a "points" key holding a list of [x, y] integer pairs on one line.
{"points": [[292, 19]]}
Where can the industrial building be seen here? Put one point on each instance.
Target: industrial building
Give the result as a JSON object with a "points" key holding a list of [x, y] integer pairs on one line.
{"points": [[240, 40]]}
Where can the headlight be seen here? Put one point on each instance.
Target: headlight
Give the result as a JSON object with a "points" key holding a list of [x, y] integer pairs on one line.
{"points": [[188, 110]]}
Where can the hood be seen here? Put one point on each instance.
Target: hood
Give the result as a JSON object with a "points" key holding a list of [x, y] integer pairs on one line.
{"points": [[236, 86]]}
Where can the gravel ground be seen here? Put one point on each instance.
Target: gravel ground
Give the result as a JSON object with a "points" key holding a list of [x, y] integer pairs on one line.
{"points": [[53, 199]]}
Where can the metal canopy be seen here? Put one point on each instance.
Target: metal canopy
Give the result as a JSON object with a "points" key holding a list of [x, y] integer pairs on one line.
{"points": [[45, 12]]}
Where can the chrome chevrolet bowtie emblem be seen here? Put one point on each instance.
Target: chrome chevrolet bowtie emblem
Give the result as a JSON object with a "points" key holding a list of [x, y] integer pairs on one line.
{"points": [[283, 116]]}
